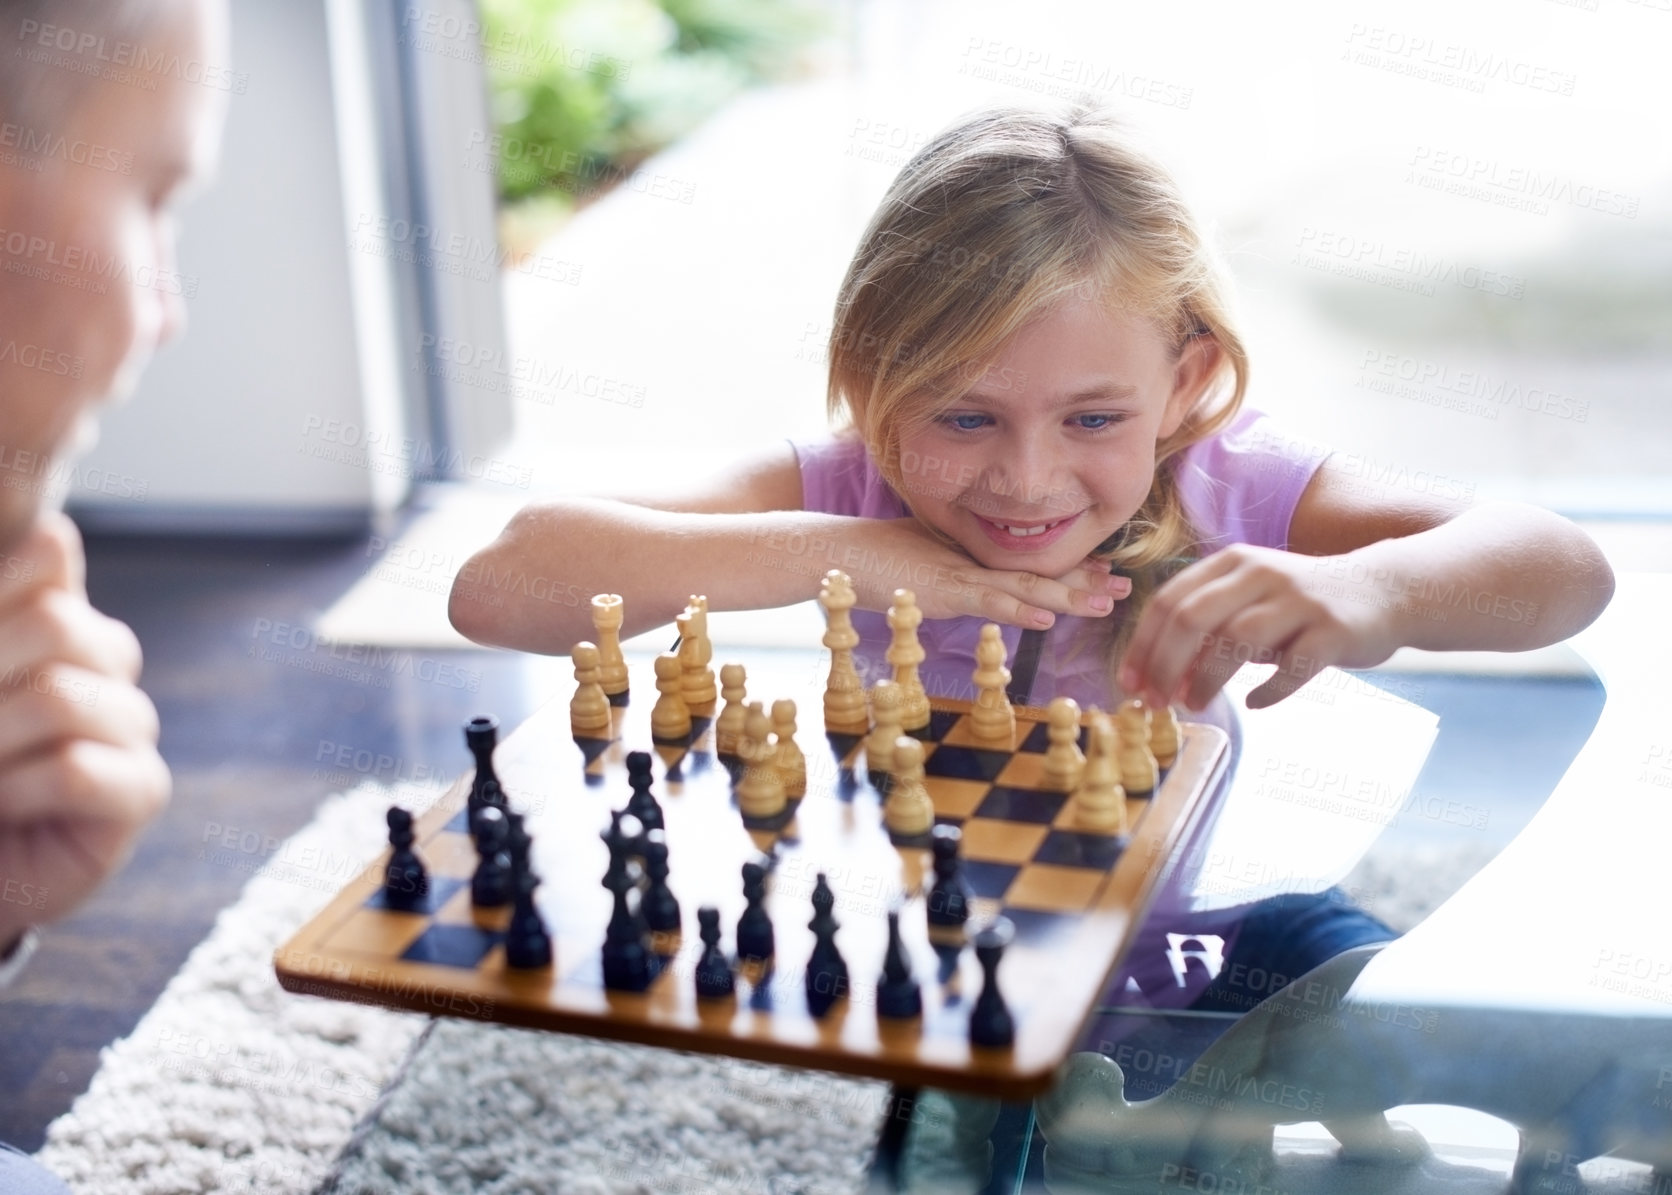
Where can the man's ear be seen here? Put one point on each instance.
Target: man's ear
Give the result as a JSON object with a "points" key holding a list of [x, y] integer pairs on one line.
{"points": [[1198, 362]]}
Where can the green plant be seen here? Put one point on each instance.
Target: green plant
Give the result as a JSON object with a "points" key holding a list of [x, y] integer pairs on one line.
{"points": [[584, 90]]}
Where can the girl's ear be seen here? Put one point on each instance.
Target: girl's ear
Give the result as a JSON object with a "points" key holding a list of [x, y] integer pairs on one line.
{"points": [[1197, 364]]}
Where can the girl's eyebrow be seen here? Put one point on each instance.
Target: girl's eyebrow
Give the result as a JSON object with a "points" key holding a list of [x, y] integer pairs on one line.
{"points": [[1101, 392]]}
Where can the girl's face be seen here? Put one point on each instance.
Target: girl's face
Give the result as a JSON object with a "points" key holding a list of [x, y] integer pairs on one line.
{"points": [[1053, 449]]}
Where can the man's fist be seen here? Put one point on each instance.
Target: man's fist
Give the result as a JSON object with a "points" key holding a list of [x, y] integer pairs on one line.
{"points": [[79, 771]]}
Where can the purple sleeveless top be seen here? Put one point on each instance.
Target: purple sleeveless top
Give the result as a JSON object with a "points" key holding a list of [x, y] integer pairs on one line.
{"points": [[1240, 486]]}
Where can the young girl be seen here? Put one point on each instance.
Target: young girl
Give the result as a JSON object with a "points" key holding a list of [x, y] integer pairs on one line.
{"points": [[1040, 395]]}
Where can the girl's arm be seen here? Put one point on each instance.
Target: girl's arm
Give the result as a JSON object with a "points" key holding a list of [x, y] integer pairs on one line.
{"points": [[746, 543], [1370, 570]]}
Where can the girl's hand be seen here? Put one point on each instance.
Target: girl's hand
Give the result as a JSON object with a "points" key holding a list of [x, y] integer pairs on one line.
{"points": [[1246, 604], [890, 554]]}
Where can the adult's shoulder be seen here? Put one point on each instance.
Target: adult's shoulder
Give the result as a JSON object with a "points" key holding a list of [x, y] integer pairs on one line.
{"points": [[1242, 484], [839, 477]]}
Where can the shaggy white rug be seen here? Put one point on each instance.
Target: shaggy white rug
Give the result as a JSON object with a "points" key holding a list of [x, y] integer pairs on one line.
{"points": [[498, 1111], [231, 1084]]}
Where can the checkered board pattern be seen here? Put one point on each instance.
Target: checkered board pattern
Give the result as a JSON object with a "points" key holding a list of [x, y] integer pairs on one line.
{"points": [[1074, 898]]}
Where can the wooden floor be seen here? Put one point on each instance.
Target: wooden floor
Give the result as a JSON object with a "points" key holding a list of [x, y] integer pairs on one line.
{"points": [[252, 739]]}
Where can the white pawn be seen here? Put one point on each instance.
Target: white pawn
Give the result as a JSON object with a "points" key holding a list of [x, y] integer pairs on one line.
{"points": [[760, 791], [1063, 759], [589, 710], [992, 717], [1164, 736], [1099, 801], [1138, 772], [729, 726], [886, 697], [790, 762], [670, 719], [909, 811]]}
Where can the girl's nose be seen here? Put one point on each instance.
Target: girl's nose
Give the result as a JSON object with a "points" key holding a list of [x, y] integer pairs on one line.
{"points": [[1022, 476]]}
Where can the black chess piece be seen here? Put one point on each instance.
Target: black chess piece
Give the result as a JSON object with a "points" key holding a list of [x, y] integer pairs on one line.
{"points": [[898, 994], [621, 846], [629, 965], [405, 882], [754, 927], [827, 971], [949, 899], [990, 1021], [491, 885], [481, 735], [527, 943], [493, 797], [642, 804], [714, 973], [659, 906]]}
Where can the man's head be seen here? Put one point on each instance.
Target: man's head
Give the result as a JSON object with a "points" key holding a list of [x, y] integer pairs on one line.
{"points": [[110, 110]]}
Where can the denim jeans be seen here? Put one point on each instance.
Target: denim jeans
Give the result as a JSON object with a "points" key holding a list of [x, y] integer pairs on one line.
{"points": [[20, 1174], [1284, 937]]}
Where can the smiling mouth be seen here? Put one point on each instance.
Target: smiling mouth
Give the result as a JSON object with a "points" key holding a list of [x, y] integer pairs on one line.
{"points": [[1022, 530], [1025, 535]]}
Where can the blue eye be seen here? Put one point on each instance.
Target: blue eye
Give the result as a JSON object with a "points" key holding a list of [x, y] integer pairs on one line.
{"points": [[1096, 423], [965, 423]]}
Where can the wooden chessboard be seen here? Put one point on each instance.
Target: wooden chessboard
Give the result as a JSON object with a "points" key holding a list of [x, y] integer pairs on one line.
{"points": [[1075, 900]]}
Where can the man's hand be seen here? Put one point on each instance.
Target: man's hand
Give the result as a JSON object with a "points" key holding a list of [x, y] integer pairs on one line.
{"points": [[79, 770], [1249, 604]]}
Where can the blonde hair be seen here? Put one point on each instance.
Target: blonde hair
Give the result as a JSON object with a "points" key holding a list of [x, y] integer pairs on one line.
{"points": [[999, 218]]}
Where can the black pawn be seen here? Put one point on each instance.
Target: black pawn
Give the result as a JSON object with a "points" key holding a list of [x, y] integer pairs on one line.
{"points": [[827, 972], [990, 1020], [949, 899], [405, 882], [629, 966], [527, 944], [481, 735], [714, 973], [493, 797], [491, 886], [754, 928], [659, 907], [642, 804], [898, 996]]}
